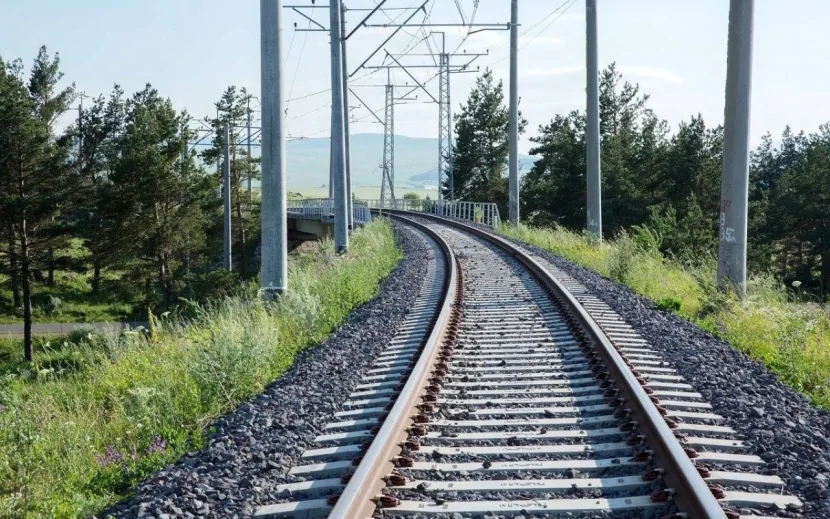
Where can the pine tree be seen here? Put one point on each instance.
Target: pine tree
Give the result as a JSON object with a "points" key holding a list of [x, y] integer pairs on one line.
{"points": [[99, 129], [34, 175], [481, 145], [157, 193], [233, 109]]}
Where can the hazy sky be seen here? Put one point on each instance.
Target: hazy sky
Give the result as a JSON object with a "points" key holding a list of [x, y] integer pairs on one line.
{"points": [[675, 49]]}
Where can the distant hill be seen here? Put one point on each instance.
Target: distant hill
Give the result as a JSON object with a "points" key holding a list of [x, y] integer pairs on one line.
{"points": [[415, 161]]}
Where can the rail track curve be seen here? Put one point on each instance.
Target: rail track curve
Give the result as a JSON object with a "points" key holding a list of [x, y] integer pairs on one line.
{"points": [[510, 390]]}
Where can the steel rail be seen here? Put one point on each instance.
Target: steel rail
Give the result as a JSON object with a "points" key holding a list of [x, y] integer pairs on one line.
{"points": [[358, 499], [691, 493]]}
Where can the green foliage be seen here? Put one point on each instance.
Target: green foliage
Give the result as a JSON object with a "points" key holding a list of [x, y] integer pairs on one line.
{"points": [[665, 189], [73, 439], [668, 304], [789, 337], [411, 196], [480, 147], [35, 180], [623, 257]]}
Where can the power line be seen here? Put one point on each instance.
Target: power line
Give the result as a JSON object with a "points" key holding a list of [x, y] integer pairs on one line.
{"points": [[329, 89], [545, 28], [300, 59], [469, 29], [567, 4]]}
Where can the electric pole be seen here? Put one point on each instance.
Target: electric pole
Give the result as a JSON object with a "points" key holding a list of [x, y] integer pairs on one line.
{"points": [[226, 194], [735, 179], [250, 191], [514, 113], [594, 201], [387, 187], [443, 102], [444, 120], [341, 217], [274, 270], [347, 136]]}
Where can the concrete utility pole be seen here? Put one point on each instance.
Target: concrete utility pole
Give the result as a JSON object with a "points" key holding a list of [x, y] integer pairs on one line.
{"points": [[341, 206], [514, 113], [735, 179], [226, 193], [594, 202], [347, 135], [250, 191], [274, 270]]}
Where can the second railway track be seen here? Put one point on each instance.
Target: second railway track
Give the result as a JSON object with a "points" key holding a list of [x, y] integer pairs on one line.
{"points": [[511, 390]]}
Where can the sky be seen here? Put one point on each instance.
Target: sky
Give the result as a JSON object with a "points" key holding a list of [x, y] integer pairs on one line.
{"points": [[675, 49]]}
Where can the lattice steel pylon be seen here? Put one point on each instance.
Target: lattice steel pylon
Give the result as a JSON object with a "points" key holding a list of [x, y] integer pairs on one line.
{"points": [[387, 188], [445, 127]]}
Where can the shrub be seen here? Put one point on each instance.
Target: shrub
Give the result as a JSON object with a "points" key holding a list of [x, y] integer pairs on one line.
{"points": [[668, 304]]}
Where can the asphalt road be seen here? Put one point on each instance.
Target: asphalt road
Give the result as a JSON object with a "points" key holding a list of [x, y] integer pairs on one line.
{"points": [[16, 330]]}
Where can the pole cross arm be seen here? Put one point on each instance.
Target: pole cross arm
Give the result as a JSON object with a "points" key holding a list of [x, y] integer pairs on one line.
{"points": [[367, 106], [421, 8], [411, 76], [310, 19], [363, 22]]}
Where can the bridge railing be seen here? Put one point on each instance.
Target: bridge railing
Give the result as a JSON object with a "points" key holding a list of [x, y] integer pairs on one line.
{"points": [[486, 213], [322, 209]]}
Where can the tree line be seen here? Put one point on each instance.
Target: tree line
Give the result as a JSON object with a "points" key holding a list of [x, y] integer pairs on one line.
{"points": [[665, 179], [120, 179]]}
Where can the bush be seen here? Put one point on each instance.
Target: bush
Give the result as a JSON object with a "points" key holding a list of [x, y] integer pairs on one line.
{"points": [[623, 257], [668, 304]]}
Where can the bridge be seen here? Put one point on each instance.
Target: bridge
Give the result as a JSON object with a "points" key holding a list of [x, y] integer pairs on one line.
{"points": [[313, 218]]}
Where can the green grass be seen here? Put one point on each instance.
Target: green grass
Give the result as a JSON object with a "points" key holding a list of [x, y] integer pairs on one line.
{"points": [[100, 413], [789, 337]]}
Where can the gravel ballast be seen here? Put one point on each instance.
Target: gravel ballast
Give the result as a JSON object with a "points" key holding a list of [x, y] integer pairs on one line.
{"points": [[253, 448], [781, 425]]}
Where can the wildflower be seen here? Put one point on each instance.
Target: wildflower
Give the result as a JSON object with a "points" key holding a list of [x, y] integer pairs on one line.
{"points": [[157, 445], [110, 456], [796, 284]]}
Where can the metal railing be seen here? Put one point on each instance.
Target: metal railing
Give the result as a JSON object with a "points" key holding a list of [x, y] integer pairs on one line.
{"points": [[322, 209], [486, 213]]}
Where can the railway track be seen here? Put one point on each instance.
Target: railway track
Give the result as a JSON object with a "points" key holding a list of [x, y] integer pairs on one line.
{"points": [[511, 390]]}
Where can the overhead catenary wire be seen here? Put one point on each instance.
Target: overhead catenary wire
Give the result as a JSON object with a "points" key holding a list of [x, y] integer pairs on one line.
{"points": [[562, 9], [300, 59], [469, 29], [545, 28]]}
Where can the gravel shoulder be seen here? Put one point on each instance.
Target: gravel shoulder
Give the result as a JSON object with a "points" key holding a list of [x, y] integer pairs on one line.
{"points": [[783, 427], [253, 447]]}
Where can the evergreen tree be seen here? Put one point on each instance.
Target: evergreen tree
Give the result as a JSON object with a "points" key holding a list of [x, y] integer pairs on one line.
{"points": [[233, 109], [98, 136], [481, 145], [34, 175], [554, 190], [157, 194]]}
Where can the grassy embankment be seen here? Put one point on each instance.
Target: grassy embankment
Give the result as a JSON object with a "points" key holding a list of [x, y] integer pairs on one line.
{"points": [[789, 337], [97, 415]]}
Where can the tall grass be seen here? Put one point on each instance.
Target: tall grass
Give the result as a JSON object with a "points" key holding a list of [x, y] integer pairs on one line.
{"points": [[73, 441], [789, 337]]}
